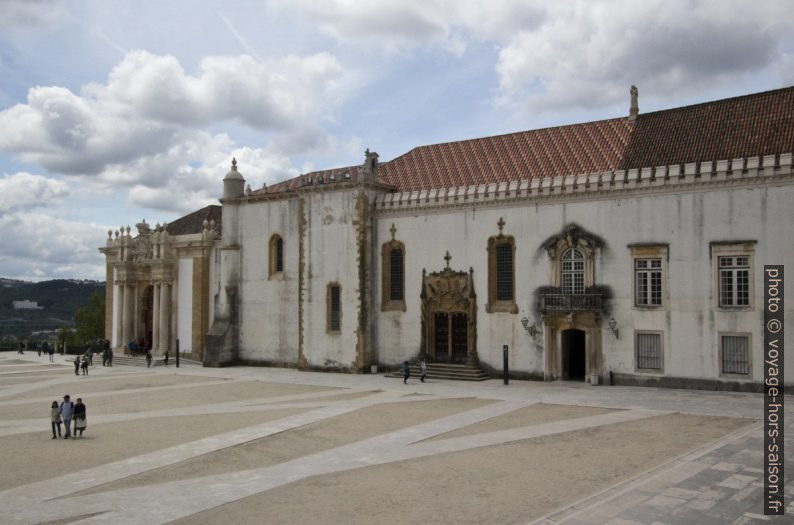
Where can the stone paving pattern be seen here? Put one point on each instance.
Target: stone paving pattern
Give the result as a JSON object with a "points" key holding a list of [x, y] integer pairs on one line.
{"points": [[714, 481]]}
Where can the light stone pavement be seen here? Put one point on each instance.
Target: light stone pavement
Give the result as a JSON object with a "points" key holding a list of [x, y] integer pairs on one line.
{"points": [[719, 482]]}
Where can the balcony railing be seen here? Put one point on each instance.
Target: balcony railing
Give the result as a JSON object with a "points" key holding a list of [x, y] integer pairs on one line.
{"points": [[558, 302]]}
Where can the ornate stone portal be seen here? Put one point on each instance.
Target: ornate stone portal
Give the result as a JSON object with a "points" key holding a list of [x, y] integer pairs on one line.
{"points": [[449, 316]]}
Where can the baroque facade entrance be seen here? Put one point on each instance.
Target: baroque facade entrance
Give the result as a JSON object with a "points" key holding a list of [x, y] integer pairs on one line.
{"points": [[449, 317]]}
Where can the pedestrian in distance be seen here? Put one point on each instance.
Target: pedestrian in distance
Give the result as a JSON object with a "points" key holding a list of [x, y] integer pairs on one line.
{"points": [[55, 419], [406, 372], [79, 418], [165, 358], [84, 365], [66, 410], [148, 359], [77, 365], [51, 351], [423, 367], [21, 349], [38, 349], [110, 357]]}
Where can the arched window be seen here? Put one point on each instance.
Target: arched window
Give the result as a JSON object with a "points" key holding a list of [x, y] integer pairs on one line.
{"points": [[276, 258], [393, 272], [572, 272]]}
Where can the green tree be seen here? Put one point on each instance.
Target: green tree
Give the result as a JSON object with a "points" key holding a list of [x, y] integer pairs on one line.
{"points": [[89, 322]]}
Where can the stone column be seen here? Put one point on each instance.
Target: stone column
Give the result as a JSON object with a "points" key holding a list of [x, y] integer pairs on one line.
{"points": [[155, 317], [165, 317], [128, 329], [119, 315]]}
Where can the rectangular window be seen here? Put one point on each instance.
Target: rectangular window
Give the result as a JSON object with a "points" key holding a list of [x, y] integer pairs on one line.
{"points": [[396, 275], [648, 282], [504, 272], [649, 351], [734, 281], [735, 354], [334, 308]]}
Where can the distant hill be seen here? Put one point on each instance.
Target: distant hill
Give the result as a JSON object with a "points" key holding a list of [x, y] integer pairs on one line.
{"points": [[58, 299]]}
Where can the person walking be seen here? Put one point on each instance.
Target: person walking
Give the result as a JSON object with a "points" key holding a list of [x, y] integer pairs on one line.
{"points": [[110, 357], [38, 349], [423, 367], [406, 372], [148, 359], [79, 418], [66, 410], [77, 365], [51, 351], [165, 358], [55, 419], [84, 365]]}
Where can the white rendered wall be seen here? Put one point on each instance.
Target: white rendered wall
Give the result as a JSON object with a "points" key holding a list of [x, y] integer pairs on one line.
{"points": [[269, 304], [184, 301], [687, 222]]}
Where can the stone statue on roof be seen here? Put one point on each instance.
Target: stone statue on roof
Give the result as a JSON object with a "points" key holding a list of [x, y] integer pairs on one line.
{"points": [[371, 164]]}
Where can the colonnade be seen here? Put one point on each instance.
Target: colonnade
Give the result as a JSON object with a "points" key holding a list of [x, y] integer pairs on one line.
{"points": [[127, 319]]}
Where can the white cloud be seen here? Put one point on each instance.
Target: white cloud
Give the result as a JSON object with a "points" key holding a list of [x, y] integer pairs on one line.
{"points": [[35, 245], [24, 191], [15, 14], [147, 128]]}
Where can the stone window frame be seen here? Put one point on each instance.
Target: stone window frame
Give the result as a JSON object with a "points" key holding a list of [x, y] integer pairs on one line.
{"points": [[388, 304], [733, 249], [649, 251], [734, 375], [328, 309], [637, 369], [493, 305], [272, 267], [561, 244]]}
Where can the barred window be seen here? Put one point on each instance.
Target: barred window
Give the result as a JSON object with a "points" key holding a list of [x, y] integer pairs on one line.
{"points": [[396, 275], [572, 272], [649, 351], [279, 254], [334, 305], [734, 281], [735, 354], [504, 272], [648, 282]]}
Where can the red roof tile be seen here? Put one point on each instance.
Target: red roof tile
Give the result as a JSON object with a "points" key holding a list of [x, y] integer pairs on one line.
{"points": [[746, 126]]}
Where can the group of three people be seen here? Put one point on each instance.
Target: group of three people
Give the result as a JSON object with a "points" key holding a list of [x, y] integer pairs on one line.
{"points": [[64, 414]]}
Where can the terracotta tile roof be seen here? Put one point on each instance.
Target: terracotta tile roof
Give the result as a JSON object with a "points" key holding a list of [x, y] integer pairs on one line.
{"points": [[194, 222], [746, 126]]}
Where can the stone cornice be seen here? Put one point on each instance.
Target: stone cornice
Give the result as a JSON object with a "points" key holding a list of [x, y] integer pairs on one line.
{"points": [[311, 188], [752, 171]]}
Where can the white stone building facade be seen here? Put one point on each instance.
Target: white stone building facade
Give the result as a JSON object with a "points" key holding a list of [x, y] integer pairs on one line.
{"points": [[627, 251]]}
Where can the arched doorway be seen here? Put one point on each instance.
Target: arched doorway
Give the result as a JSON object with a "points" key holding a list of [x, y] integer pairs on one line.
{"points": [[574, 354]]}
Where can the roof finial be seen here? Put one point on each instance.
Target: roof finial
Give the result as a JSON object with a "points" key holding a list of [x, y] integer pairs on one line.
{"points": [[501, 224], [447, 258], [234, 164], [634, 108]]}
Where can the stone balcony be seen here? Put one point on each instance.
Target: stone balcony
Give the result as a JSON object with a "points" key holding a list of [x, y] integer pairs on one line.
{"points": [[558, 302]]}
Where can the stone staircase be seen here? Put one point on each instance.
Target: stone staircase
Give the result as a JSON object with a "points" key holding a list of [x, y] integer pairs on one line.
{"points": [[446, 371], [138, 360]]}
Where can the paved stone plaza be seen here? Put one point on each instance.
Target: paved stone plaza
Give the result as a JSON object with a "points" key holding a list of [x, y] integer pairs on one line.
{"points": [[259, 445]]}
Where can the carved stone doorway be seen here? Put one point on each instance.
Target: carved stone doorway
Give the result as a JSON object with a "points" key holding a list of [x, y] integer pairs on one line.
{"points": [[574, 352], [449, 310]]}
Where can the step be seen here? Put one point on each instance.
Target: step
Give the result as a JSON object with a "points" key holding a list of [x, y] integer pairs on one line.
{"points": [[446, 371]]}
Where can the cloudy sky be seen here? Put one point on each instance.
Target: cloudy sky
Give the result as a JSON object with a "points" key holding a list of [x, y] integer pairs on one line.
{"points": [[112, 111]]}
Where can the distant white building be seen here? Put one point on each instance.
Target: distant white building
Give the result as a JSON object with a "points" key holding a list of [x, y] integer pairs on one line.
{"points": [[627, 250], [26, 305]]}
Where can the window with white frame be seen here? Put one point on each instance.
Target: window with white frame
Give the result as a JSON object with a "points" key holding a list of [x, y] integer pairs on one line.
{"points": [[572, 272], [648, 282], [649, 350], [735, 354], [734, 280]]}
